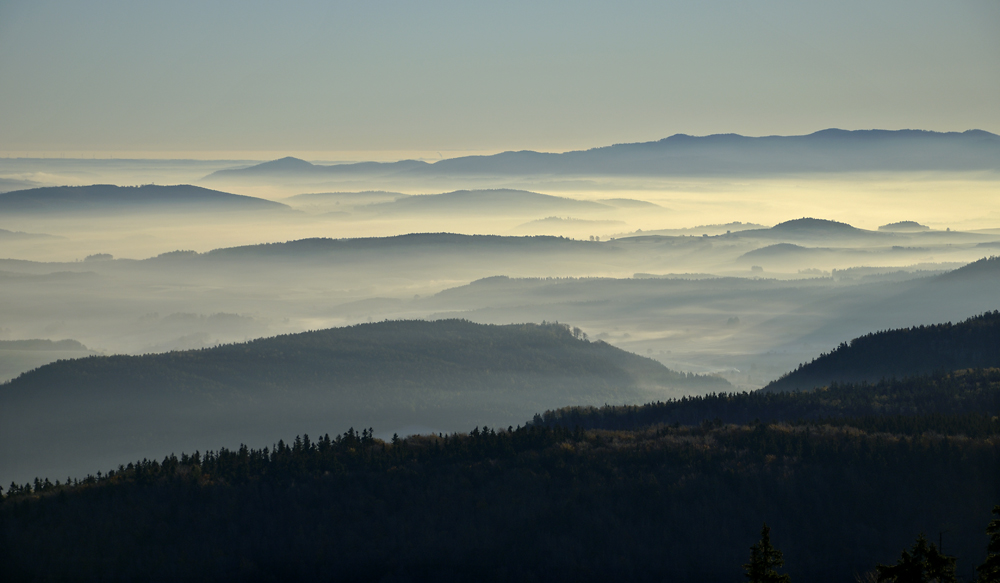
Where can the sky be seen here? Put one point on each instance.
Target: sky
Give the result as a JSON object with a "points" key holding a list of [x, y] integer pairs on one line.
{"points": [[384, 79]]}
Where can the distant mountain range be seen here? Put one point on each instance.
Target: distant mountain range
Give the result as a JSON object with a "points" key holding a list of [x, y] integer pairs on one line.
{"points": [[110, 198], [831, 150], [399, 245], [6, 235]]}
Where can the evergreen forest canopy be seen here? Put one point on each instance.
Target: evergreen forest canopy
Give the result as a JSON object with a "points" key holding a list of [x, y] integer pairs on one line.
{"points": [[403, 376], [842, 492], [973, 343], [846, 475]]}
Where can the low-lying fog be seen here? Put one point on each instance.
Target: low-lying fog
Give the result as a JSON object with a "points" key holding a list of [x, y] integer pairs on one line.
{"points": [[642, 270], [605, 208]]}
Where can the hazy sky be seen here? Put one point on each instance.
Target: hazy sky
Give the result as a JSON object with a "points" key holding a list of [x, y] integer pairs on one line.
{"points": [[421, 76]]}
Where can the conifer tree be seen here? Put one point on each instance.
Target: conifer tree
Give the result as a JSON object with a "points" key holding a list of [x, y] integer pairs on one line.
{"points": [[925, 564], [989, 571], [765, 560]]}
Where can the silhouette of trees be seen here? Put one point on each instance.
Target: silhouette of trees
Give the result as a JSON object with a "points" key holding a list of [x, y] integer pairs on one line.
{"points": [[532, 502], [922, 564], [765, 560], [973, 343], [989, 571]]}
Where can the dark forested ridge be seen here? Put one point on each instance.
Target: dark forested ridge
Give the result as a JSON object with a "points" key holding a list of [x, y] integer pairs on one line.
{"points": [[535, 503], [451, 355], [947, 403], [442, 375], [987, 268], [974, 343]]}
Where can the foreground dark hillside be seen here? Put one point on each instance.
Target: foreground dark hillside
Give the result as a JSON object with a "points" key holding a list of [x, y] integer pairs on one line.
{"points": [[532, 504], [405, 376], [974, 343], [963, 397]]}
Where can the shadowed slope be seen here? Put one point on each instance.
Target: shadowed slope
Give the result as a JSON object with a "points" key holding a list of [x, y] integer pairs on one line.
{"points": [[974, 343], [444, 375]]}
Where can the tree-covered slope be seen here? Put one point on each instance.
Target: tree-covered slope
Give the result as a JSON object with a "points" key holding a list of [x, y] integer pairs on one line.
{"points": [[845, 476], [108, 198], [533, 504], [974, 343], [943, 400], [395, 376]]}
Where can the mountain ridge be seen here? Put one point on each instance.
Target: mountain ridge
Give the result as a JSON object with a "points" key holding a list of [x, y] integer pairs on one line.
{"points": [[829, 150], [902, 352]]}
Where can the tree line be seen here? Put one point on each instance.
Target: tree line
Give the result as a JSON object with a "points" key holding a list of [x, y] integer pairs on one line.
{"points": [[526, 503]]}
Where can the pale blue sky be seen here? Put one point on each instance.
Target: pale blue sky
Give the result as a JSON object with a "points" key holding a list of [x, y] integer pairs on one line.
{"points": [[214, 76]]}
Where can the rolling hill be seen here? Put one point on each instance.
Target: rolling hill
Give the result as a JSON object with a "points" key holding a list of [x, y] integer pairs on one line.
{"points": [[442, 375], [492, 202], [662, 492], [810, 229], [107, 198], [399, 245], [6, 235], [974, 343]]}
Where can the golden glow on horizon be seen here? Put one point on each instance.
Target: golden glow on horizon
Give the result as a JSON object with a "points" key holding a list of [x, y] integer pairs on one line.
{"points": [[315, 156]]}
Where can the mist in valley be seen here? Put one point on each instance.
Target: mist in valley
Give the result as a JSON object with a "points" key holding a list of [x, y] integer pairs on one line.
{"points": [[740, 277], [541, 291]]}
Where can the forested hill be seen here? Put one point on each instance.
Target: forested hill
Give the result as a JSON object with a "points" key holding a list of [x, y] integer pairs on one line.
{"points": [[410, 244], [962, 402], [974, 343], [536, 503], [108, 198], [395, 376], [453, 355]]}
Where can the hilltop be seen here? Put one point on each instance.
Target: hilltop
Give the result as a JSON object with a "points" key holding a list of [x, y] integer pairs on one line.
{"points": [[399, 244], [904, 227], [810, 229], [442, 375], [107, 198], [974, 343], [810, 225], [505, 201]]}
